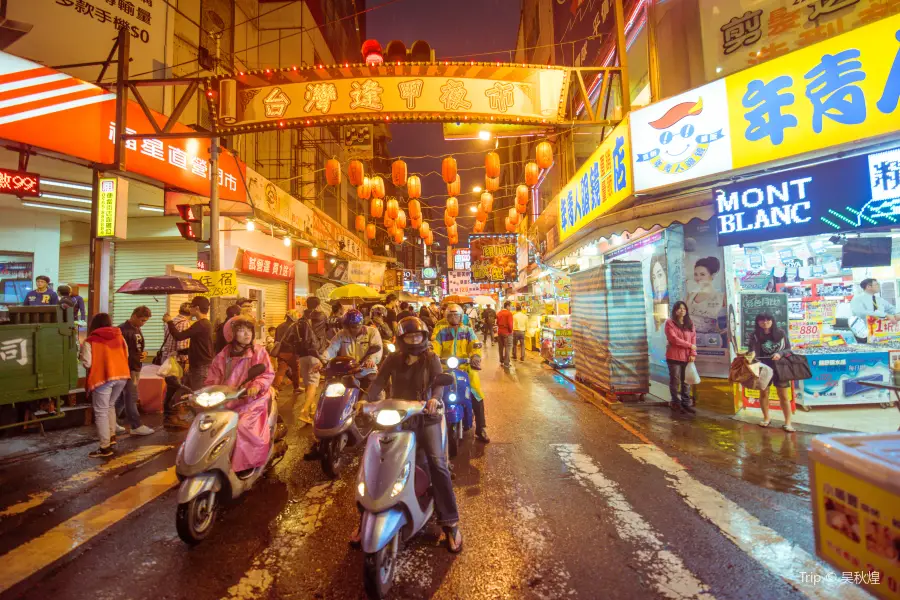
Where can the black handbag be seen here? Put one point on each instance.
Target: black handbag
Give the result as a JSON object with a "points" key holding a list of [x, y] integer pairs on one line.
{"points": [[792, 367], [158, 359]]}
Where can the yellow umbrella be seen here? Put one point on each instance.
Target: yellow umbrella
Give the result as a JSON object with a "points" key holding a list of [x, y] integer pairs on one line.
{"points": [[354, 291]]}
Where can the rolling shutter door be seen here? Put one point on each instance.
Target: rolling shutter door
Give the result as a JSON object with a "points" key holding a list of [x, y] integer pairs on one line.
{"points": [[145, 259], [275, 297], [74, 267]]}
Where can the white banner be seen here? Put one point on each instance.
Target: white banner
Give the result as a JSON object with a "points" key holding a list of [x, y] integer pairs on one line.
{"points": [[366, 272]]}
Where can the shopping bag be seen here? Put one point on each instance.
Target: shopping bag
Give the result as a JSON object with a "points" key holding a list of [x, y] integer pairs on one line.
{"points": [[691, 376], [743, 369], [171, 368], [765, 378]]}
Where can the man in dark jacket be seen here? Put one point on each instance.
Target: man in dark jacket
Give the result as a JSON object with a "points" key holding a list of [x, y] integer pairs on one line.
{"points": [[287, 341], [134, 339], [317, 320], [489, 319], [405, 311]]}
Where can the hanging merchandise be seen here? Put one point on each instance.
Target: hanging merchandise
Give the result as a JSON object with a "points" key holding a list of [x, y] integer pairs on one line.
{"points": [[414, 187], [453, 188], [522, 194], [415, 209], [376, 208], [448, 218], [377, 186], [452, 206], [448, 170], [356, 172], [401, 219], [393, 208], [370, 231], [492, 165], [544, 155], [487, 204], [364, 190], [333, 172], [492, 184], [424, 230], [532, 172], [398, 173], [360, 222]]}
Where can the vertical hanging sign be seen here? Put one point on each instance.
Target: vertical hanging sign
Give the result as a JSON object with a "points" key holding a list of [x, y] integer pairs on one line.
{"points": [[112, 208]]}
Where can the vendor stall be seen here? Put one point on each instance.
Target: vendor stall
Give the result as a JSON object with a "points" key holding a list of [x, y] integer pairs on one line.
{"points": [[556, 346]]}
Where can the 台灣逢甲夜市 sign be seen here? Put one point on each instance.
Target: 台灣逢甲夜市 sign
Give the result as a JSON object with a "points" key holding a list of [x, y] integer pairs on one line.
{"points": [[838, 91], [843, 195], [602, 182]]}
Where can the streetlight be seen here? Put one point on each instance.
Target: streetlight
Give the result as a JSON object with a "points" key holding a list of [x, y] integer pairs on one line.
{"points": [[473, 209], [484, 135], [476, 189]]}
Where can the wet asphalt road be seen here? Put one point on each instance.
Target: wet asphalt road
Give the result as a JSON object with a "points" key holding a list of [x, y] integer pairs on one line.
{"points": [[570, 500]]}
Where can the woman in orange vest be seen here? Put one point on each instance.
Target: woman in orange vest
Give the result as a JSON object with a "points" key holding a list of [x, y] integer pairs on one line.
{"points": [[105, 356]]}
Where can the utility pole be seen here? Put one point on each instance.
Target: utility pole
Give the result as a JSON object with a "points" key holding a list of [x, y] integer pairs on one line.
{"points": [[214, 258]]}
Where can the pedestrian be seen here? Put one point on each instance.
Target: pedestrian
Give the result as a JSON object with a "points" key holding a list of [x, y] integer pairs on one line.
{"points": [[172, 347], [42, 295], [681, 350], [230, 313], [200, 353], [270, 340], [405, 311], [286, 355], [378, 320], [310, 355], [76, 303], [105, 356], [770, 343], [127, 403], [505, 332], [393, 307], [520, 326], [427, 317], [334, 324], [317, 319], [489, 320]]}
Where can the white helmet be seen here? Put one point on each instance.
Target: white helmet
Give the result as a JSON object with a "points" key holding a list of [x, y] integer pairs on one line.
{"points": [[378, 310], [453, 313]]}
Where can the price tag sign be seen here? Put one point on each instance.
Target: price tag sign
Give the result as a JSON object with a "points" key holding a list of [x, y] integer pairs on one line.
{"points": [[881, 329], [804, 332]]}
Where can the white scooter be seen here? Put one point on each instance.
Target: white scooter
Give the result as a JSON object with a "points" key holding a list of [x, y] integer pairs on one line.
{"points": [[393, 488], [203, 464]]}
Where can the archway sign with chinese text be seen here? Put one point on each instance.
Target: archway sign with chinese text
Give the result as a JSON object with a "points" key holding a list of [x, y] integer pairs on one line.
{"points": [[444, 91]]}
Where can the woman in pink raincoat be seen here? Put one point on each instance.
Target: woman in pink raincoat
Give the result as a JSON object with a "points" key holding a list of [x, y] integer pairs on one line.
{"points": [[230, 367]]}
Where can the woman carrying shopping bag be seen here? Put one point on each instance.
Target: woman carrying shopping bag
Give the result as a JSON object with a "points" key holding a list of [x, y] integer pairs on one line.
{"points": [[770, 344], [680, 354]]}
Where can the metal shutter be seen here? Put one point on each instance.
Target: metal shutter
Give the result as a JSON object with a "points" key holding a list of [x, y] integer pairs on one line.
{"points": [[145, 259], [74, 267], [275, 297]]}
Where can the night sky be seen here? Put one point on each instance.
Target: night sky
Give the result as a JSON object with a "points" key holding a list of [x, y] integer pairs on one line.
{"points": [[454, 28]]}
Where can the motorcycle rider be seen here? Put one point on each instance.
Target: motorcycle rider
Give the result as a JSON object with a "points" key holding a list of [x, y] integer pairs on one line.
{"points": [[230, 367], [354, 340], [409, 371], [452, 338], [378, 320]]}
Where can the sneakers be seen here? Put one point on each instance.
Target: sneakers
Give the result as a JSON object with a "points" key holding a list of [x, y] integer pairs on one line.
{"points": [[689, 409], [483, 437], [142, 430], [119, 428], [112, 440], [102, 452]]}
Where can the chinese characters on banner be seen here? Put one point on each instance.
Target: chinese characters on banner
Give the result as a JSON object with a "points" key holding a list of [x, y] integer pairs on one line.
{"points": [[266, 266], [133, 16], [582, 31], [366, 272], [462, 259], [751, 33], [112, 208], [494, 257], [836, 92], [20, 183], [221, 284], [602, 182], [460, 283]]}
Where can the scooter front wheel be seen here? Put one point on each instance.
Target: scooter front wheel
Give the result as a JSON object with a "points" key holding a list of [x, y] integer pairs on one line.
{"points": [[333, 455], [379, 569], [453, 437], [194, 519]]}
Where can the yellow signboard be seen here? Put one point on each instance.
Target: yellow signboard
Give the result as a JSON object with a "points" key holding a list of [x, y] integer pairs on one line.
{"points": [[837, 91], [602, 182], [220, 283], [488, 92], [112, 208]]}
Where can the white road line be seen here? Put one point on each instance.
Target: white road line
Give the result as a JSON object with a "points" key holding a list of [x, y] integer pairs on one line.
{"points": [[788, 561], [663, 570], [533, 535]]}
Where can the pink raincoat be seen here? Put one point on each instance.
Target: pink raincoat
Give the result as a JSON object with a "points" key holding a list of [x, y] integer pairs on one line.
{"points": [[252, 447]]}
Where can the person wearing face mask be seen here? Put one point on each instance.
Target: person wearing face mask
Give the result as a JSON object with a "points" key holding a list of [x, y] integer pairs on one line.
{"points": [[230, 367], [452, 338], [354, 340], [378, 320]]}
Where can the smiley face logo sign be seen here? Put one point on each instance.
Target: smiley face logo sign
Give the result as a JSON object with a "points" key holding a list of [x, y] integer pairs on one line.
{"points": [[681, 138]]}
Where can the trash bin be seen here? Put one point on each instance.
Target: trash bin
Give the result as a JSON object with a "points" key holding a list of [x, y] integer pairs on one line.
{"points": [[855, 484]]}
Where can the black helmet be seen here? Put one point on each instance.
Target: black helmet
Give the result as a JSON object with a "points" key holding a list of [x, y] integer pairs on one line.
{"points": [[352, 318], [409, 325]]}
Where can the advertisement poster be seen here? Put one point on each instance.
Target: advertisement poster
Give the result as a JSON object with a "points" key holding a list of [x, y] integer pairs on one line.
{"points": [[339, 271], [836, 379], [705, 297], [366, 272], [494, 257]]}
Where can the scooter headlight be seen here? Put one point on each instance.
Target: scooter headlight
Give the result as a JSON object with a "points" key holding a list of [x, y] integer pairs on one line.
{"points": [[361, 488], [391, 348], [208, 400], [387, 418], [451, 398], [401, 481], [452, 362], [335, 390]]}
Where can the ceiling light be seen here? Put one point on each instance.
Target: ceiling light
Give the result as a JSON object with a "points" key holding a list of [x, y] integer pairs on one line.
{"points": [[484, 135], [83, 211], [287, 241], [332, 261], [66, 197], [315, 252], [73, 185], [473, 209], [149, 208], [476, 190], [250, 225]]}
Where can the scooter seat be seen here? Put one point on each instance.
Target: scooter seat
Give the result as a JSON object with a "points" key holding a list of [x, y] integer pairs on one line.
{"points": [[423, 482]]}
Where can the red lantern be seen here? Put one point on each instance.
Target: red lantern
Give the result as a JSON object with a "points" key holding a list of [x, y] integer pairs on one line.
{"points": [[492, 164], [388, 221], [448, 170], [544, 155], [360, 222], [522, 194], [532, 172], [491, 184], [415, 209], [521, 208], [376, 208], [424, 230], [377, 186], [482, 215], [415, 222], [333, 171], [514, 216], [448, 218], [356, 172], [398, 236], [401, 219], [487, 202], [398, 173], [453, 231], [452, 206], [429, 239], [453, 240], [453, 188], [364, 190], [509, 226], [479, 227], [414, 187], [370, 231], [393, 208]]}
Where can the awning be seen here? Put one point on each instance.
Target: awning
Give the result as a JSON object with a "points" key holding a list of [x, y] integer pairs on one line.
{"points": [[660, 213]]}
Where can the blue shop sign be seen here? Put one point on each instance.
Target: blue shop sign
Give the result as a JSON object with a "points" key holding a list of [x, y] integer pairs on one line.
{"points": [[849, 194]]}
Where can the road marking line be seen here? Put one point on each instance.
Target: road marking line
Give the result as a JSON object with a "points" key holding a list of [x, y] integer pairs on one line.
{"points": [[29, 558], [84, 477], [664, 570], [787, 560]]}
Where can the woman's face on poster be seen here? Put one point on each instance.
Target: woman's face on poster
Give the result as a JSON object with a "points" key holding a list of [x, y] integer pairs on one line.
{"points": [[702, 275], [658, 279]]}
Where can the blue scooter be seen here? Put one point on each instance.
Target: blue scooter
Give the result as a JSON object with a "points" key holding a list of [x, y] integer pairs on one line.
{"points": [[457, 403]]}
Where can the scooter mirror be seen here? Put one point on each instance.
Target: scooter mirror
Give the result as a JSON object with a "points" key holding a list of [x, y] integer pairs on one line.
{"points": [[443, 379]]}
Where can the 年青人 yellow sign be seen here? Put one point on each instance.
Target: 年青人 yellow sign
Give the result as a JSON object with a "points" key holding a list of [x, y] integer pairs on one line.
{"points": [[220, 283]]}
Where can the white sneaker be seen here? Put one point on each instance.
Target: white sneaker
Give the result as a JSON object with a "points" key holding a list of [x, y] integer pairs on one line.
{"points": [[142, 430], [119, 429]]}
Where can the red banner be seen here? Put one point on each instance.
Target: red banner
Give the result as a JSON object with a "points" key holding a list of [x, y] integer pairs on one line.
{"points": [[261, 265]]}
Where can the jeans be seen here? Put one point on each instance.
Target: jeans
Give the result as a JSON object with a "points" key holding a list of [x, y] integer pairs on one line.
{"points": [[489, 335], [195, 378], [679, 390], [128, 402], [505, 348], [104, 399], [518, 342], [433, 437], [478, 409]]}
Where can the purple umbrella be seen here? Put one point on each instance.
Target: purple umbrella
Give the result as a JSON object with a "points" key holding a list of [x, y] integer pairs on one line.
{"points": [[162, 285]]}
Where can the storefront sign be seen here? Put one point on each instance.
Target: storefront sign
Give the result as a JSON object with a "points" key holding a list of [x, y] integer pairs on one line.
{"points": [[844, 89], [462, 259], [19, 183], [494, 257], [602, 182], [803, 202], [647, 240], [112, 208], [366, 272], [429, 273], [266, 266], [221, 284]]}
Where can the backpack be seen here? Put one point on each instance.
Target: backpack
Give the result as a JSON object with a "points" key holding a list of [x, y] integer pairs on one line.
{"points": [[300, 339]]}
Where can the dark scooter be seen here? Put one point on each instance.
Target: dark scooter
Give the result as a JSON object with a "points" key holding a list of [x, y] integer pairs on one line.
{"points": [[457, 404]]}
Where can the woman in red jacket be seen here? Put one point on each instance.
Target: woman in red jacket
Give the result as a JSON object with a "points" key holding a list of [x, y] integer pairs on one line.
{"points": [[681, 350]]}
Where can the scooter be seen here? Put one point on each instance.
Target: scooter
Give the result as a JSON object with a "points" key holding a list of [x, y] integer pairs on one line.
{"points": [[457, 404], [203, 464], [335, 424], [393, 489]]}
